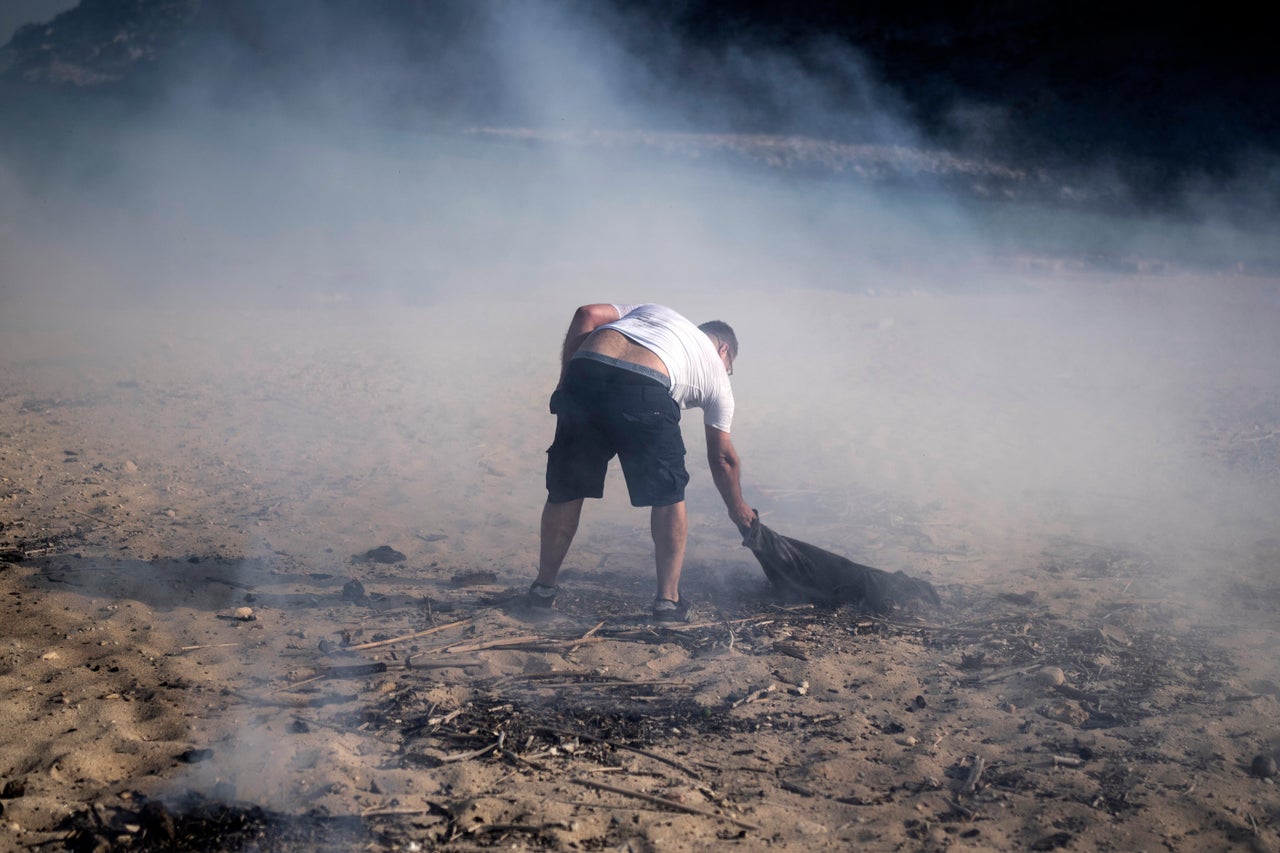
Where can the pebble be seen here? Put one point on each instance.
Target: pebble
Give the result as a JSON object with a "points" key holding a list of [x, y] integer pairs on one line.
{"points": [[1051, 676], [1113, 635], [907, 741], [1263, 766], [384, 554], [50, 656], [1065, 712], [244, 614]]}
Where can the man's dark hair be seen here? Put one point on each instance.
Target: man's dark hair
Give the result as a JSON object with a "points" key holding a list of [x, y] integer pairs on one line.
{"points": [[724, 332]]}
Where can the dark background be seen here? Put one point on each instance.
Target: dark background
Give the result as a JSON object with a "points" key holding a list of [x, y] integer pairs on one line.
{"points": [[1162, 95]]}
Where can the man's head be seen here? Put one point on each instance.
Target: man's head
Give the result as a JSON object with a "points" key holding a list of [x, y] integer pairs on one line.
{"points": [[721, 334]]}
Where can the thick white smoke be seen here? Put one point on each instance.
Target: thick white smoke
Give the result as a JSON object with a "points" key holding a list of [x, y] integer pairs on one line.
{"points": [[928, 335]]}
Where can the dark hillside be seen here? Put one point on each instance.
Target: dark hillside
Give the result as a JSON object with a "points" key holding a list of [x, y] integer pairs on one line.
{"points": [[1160, 95]]}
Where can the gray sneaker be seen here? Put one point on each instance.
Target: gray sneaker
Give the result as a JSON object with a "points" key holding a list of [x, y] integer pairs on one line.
{"points": [[541, 597], [666, 610]]}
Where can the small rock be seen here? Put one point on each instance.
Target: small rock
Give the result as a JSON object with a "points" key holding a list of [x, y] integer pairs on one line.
{"points": [[157, 823], [353, 590], [1113, 635], [195, 756], [384, 554], [129, 466], [1263, 766], [50, 656], [244, 614], [790, 650], [907, 741], [13, 789], [171, 513], [1051, 676], [1065, 712], [809, 827]]}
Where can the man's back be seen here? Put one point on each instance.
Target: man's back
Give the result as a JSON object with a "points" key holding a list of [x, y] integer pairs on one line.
{"points": [[697, 375]]}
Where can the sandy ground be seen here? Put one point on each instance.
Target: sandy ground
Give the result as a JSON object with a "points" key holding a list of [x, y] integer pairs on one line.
{"points": [[1085, 466]]}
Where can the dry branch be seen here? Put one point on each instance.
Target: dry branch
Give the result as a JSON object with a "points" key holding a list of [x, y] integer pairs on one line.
{"points": [[352, 671], [667, 761], [755, 695], [97, 519], [432, 808], [205, 646], [576, 677], [292, 702], [668, 804], [569, 673], [476, 753], [413, 662], [1074, 693], [406, 637], [529, 828], [322, 673], [975, 773], [527, 643]]}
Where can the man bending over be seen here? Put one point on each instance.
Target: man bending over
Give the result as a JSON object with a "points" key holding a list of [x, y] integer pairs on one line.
{"points": [[626, 372]]}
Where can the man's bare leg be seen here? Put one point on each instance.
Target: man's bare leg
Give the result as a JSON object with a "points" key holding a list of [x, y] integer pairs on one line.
{"points": [[670, 528], [559, 524]]}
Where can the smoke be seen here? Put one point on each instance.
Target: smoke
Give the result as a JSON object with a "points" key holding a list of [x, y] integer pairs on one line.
{"points": [[565, 154], [924, 335]]}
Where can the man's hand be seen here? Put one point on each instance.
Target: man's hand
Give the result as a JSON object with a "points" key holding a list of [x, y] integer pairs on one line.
{"points": [[743, 516]]}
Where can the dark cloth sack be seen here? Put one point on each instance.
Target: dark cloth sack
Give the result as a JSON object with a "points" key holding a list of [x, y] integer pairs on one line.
{"points": [[804, 572]]}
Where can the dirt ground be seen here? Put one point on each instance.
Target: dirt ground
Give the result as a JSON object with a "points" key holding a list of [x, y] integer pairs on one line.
{"points": [[199, 650]]}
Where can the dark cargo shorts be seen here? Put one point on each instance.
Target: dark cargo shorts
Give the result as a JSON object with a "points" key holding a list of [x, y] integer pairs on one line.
{"points": [[603, 411]]}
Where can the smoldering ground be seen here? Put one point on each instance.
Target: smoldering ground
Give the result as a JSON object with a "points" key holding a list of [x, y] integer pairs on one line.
{"points": [[927, 372]]}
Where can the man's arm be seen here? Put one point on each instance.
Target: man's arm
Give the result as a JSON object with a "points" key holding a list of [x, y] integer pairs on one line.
{"points": [[586, 320], [726, 470]]}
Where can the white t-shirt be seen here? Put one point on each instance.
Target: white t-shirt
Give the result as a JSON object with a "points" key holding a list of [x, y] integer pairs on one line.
{"points": [[698, 377]]}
